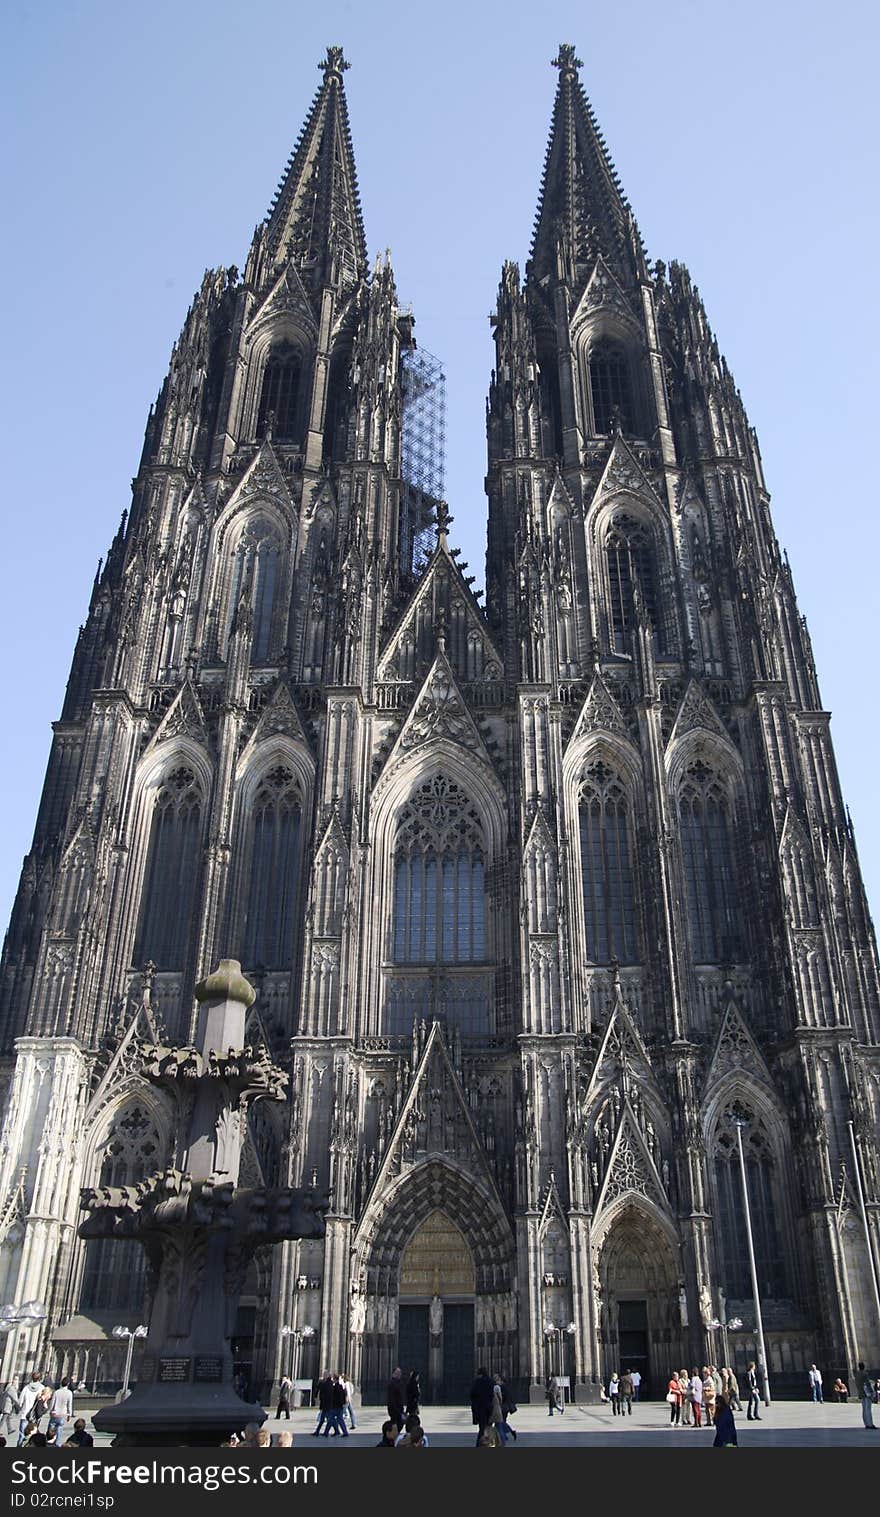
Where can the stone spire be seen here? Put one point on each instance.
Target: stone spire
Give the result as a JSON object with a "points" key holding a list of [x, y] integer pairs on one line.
{"points": [[581, 200], [315, 217]]}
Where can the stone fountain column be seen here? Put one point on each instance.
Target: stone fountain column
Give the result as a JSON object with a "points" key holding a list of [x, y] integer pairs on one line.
{"points": [[199, 1228]]}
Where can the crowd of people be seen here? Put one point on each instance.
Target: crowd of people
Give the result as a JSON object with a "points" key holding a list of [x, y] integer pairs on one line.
{"points": [[695, 1399], [38, 1414], [709, 1398], [23, 1410]]}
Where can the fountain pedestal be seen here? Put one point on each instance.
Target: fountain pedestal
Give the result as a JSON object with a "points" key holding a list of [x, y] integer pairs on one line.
{"points": [[199, 1228]]}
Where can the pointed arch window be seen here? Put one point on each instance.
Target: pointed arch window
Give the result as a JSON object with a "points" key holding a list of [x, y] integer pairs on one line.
{"points": [[171, 879], [610, 386], [632, 571], [439, 878], [255, 577], [279, 395], [270, 902], [115, 1269], [764, 1205], [606, 868], [709, 874]]}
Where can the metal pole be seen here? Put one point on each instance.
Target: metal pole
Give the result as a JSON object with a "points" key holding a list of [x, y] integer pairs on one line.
{"points": [[759, 1325], [864, 1211], [128, 1353]]}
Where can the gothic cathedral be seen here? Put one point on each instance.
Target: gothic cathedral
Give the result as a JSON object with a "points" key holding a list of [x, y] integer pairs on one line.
{"points": [[549, 903]]}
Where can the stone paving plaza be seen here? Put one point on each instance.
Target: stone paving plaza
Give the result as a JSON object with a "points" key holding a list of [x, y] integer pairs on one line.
{"points": [[787, 1424]]}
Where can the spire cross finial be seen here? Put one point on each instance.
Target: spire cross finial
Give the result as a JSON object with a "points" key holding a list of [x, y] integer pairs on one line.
{"points": [[334, 63], [567, 60]]}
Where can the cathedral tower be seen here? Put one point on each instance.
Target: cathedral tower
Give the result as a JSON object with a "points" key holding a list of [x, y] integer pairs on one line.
{"points": [[540, 901]]}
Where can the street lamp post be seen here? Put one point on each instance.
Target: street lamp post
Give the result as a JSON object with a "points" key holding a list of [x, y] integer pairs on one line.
{"points": [[733, 1324], [130, 1333], [555, 1344], [550, 1331], [739, 1123], [299, 1336], [13, 1318]]}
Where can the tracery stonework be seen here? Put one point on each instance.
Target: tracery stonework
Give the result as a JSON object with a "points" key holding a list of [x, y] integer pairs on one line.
{"points": [[535, 898]]}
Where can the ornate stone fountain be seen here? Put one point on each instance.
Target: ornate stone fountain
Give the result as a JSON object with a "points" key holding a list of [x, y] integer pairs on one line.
{"points": [[199, 1229]]}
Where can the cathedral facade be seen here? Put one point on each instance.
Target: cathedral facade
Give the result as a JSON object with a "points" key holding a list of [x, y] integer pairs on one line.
{"points": [[548, 903]]}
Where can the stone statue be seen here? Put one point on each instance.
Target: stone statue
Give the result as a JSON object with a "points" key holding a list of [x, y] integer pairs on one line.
{"points": [[435, 1316], [357, 1316]]}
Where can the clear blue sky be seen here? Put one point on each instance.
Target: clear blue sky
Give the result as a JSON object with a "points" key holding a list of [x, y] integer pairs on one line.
{"points": [[144, 141]]}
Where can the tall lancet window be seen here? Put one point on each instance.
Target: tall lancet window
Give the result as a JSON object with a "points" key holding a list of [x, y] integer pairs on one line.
{"points": [[610, 386], [272, 880], [171, 879], [765, 1206], [439, 878], [279, 396], [606, 868], [709, 873], [632, 569], [115, 1269], [256, 573]]}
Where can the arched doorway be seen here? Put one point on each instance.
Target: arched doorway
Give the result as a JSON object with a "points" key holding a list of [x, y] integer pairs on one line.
{"points": [[639, 1316], [438, 1230], [436, 1309]]}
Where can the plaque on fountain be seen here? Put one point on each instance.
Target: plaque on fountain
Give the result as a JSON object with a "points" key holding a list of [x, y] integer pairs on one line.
{"points": [[208, 1367], [173, 1371]]}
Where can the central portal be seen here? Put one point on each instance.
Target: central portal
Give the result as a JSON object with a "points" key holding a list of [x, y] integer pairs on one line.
{"points": [[436, 1310]]}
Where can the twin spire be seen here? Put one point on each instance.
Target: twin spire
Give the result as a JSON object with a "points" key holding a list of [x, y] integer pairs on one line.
{"points": [[581, 200], [316, 214]]}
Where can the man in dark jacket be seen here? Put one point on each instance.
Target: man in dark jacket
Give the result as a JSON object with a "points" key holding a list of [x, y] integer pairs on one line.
{"points": [[395, 1397], [482, 1395], [325, 1402], [336, 1419]]}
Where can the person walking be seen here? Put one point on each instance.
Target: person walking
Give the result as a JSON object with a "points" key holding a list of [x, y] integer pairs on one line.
{"points": [[284, 1390], [555, 1400], [626, 1393], [482, 1397], [636, 1377], [498, 1418], [41, 1405], [348, 1387], [325, 1402], [687, 1402], [508, 1407], [725, 1427], [674, 1397], [753, 1415], [733, 1391], [614, 1393], [868, 1394], [696, 1384], [815, 1379], [394, 1397], [60, 1411], [413, 1394], [27, 1400], [336, 1420], [9, 1411]]}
